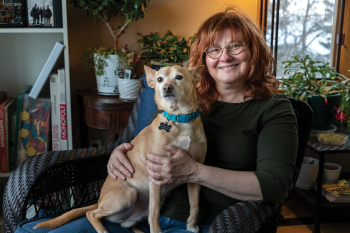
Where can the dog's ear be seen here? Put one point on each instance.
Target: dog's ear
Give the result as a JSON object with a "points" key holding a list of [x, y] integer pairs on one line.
{"points": [[196, 72], [150, 76]]}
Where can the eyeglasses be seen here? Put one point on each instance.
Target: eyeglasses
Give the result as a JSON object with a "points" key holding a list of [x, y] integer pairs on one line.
{"points": [[233, 48]]}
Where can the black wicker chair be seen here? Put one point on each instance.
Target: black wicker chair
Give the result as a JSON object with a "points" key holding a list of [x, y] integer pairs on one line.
{"points": [[55, 182]]}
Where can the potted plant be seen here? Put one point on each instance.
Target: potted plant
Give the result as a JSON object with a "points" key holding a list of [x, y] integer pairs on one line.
{"points": [[319, 85], [130, 84], [167, 50], [110, 63]]}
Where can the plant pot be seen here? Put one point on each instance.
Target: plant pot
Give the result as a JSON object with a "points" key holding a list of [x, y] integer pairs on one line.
{"points": [[323, 114], [129, 88], [108, 82], [156, 65], [308, 173]]}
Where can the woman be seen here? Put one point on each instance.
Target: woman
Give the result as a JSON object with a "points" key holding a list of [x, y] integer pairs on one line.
{"points": [[251, 132]]}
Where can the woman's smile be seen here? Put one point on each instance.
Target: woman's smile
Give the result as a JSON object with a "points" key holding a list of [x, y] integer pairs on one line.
{"points": [[229, 67]]}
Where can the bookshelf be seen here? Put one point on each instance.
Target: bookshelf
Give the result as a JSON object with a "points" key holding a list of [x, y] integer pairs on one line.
{"points": [[23, 53]]}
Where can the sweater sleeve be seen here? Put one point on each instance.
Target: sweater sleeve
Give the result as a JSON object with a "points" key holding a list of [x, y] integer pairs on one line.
{"points": [[277, 149]]}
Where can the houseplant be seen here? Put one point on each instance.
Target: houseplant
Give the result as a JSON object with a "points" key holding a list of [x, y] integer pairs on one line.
{"points": [[167, 50], [130, 84], [105, 58], [319, 85]]}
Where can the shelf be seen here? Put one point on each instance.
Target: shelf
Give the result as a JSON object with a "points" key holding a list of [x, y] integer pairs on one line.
{"points": [[31, 30], [309, 198]]}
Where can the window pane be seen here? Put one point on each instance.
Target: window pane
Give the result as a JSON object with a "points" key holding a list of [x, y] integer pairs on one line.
{"points": [[305, 28]]}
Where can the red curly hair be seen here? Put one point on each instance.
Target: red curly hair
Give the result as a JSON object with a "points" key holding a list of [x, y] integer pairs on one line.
{"points": [[260, 82]]}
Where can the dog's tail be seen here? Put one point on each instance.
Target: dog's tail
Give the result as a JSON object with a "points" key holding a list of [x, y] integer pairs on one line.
{"points": [[66, 217]]}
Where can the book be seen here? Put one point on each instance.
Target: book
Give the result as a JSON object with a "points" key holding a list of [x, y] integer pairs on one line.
{"points": [[2, 96], [35, 126], [48, 67], [19, 151], [4, 165], [12, 149], [63, 109], [336, 193], [55, 115], [10, 108]]}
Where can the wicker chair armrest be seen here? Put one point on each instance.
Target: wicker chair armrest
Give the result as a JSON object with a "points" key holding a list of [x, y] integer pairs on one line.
{"points": [[245, 216], [47, 168]]}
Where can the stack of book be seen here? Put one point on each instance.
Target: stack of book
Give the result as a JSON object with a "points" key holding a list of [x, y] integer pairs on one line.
{"points": [[7, 110], [336, 192]]}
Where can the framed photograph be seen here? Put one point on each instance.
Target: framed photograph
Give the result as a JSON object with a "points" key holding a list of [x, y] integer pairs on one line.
{"points": [[12, 13], [44, 13]]}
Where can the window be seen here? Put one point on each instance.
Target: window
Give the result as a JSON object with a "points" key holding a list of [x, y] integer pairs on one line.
{"points": [[305, 27]]}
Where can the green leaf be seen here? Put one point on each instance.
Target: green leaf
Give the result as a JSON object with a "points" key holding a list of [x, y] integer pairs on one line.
{"points": [[95, 12], [82, 3]]}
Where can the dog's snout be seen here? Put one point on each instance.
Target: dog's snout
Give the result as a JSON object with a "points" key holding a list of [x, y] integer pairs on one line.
{"points": [[167, 88]]}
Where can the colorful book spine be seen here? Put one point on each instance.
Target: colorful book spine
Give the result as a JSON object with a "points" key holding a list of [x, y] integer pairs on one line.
{"points": [[3, 140], [55, 117], [15, 160], [63, 109], [9, 109]]}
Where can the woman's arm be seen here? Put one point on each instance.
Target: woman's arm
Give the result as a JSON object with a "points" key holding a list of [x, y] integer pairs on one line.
{"points": [[181, 168]]}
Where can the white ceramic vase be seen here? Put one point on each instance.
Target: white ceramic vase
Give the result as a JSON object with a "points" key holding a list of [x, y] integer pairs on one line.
{"points": [[108, 82], [129, 88]]}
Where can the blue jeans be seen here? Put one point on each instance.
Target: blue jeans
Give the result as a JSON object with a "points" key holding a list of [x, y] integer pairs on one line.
{"points": [[82, 225]]}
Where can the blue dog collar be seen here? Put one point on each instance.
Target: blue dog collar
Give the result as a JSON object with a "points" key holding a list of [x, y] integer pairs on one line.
{"points": [[182, 118]]}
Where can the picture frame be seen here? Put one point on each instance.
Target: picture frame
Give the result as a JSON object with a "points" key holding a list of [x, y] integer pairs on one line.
{"points": [[44, 13], [12, 13]]}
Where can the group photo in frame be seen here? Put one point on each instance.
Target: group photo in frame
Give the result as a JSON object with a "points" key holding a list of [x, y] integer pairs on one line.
{"points": [[41, 13], [12, 13]]}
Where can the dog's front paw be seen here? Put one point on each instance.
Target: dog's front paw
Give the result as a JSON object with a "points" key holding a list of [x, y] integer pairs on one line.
{"points": [[194, 229]]}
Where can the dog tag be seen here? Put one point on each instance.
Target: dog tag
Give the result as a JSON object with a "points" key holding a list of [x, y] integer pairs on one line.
{"points": [[164, 126]]}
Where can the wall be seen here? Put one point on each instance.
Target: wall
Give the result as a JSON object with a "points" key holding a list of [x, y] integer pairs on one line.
{"points": [[183, 17]]}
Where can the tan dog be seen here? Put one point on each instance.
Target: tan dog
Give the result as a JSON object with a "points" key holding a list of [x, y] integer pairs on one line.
{"points": [[130, 202]]}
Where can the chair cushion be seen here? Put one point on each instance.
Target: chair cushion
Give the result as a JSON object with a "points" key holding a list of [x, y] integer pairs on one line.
{"points": [[147, 107]]}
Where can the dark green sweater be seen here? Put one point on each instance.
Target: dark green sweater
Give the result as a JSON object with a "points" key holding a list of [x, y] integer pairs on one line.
{"points": [[257, 136]]}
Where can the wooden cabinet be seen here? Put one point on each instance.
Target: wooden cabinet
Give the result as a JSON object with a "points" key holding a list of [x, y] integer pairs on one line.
{"points": [[102, 112]]}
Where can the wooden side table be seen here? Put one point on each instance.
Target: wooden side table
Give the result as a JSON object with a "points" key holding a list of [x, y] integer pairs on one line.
{"points": [[101, 112]]}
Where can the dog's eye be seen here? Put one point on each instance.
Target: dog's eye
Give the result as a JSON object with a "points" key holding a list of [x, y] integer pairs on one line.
{"points": [[160, 79], [179, 77]]}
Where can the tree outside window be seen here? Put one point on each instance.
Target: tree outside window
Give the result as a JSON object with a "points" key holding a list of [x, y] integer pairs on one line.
{"points": [[306, 27]]}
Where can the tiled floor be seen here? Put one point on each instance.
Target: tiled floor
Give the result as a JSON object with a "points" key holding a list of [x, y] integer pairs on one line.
{"points": [[292, 210]]}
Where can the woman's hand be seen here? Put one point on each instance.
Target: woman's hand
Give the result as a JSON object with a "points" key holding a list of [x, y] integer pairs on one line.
{"points": [[178, 169], [118, 164]]}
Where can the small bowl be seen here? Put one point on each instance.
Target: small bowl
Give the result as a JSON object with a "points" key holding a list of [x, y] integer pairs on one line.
{"points": [[333, 139]]}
